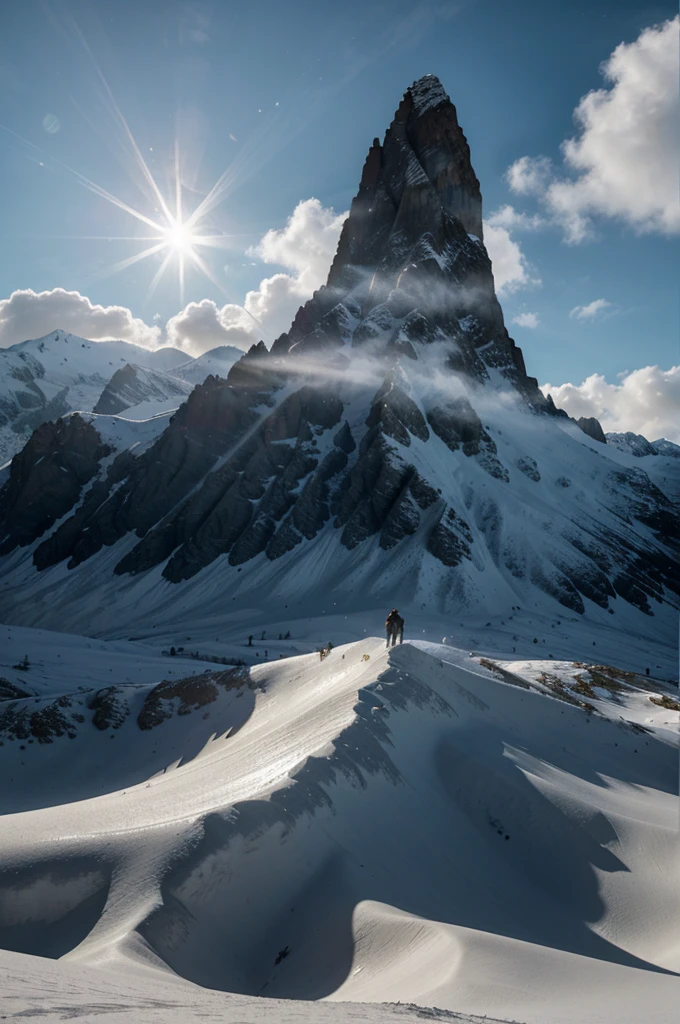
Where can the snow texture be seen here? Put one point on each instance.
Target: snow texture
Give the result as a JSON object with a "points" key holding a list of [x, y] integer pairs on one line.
{"points": [[422, 826]]}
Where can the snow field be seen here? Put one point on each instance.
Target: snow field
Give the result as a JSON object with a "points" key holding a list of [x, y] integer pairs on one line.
{"points": [[381, 825]]}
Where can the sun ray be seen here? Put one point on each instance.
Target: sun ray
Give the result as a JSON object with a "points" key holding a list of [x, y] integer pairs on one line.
{"points": [[178, 186], [180, 274], [116, 268], [175, 235], [118, 115], [158, 275]]}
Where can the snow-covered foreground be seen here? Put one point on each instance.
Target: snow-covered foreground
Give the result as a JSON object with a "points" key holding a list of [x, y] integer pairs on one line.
{"points": [[423, 826], [52, 992]]}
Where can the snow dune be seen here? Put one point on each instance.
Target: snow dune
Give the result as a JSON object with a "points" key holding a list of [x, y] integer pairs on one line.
{"points": [[378, 825]]}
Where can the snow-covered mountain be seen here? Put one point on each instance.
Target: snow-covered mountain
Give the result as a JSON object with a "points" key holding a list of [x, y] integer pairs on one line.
{"points": [[390, 447], [217, 361], [49, 377], [46, 378], [662, 446], [636, 444], [131, 385]]}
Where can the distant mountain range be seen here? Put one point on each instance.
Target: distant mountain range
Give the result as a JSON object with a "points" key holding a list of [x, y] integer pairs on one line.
{"points": [[50, 377]]}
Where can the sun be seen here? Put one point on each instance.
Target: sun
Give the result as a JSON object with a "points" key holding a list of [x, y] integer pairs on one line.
{"points": [[179, 237]]}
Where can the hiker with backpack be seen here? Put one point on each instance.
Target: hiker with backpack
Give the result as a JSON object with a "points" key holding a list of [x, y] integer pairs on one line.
{"points": [[394, 626]]}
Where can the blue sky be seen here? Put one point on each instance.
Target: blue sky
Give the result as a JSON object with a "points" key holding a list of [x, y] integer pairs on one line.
{"points": [[289, 96]]}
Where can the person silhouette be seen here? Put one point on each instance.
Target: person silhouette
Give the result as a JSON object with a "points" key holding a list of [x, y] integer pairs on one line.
{"points": [[394, 626]]}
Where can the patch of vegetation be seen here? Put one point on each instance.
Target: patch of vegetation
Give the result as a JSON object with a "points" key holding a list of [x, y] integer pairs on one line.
{"points": [[110, 708], [20, 720], [582, 686], [182, 696], [10, 691], [669, 703], [503, 674], [561, 691], [615, 680]]}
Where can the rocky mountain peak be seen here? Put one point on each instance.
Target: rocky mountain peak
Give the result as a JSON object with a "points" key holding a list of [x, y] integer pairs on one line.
{"points": [[412, 183], [395, 415], [411, 267]]}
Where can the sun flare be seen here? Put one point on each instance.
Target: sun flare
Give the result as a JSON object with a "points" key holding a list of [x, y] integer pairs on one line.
{"points": [[179, 237]]}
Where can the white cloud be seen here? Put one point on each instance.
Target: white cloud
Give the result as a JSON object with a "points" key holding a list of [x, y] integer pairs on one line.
{"points": [[529, 175], [305, 246], [203, 325], [28, 314], [623, 163], [590, 311], [511, 270], [526, 320], [645, 401], [508, 217]]}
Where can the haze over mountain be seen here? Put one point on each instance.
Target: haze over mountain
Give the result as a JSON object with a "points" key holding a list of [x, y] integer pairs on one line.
{"points": [[253, 797]]}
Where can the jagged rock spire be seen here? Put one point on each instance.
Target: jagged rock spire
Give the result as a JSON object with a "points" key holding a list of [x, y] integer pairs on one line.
{"points": [[419, 175]]}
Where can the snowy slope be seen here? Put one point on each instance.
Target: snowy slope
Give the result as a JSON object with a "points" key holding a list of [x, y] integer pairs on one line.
{"points": [[418, 826], [217, 361], [133, 385], [167, 359], [133, 994], [45, 378], [519, 530]]}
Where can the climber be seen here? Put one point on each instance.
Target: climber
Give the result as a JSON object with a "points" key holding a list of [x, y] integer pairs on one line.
{"points": [[394, 625]]}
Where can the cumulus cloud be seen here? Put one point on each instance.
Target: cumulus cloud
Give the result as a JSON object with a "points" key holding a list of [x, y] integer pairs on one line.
{"points": [[529, 175], [508, 217], [28, 314], [592, 310], [305, 246], [511, 270], [526, 320], [203, 325], [645, 401], [623, 163]]}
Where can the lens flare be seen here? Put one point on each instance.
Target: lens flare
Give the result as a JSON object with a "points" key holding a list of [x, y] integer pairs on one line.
{"points": [[180, 238]]}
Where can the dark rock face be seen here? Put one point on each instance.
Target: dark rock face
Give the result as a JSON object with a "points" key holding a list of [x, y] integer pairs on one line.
{"points": [[459, 426], [529, 467], [411, 265], [47, 477], [397, 415], [450, 539], [138, 493], [238, 507], [592, 427]]}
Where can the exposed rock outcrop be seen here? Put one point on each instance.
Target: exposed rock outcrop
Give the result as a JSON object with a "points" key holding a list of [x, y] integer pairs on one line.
{"points": [[47, 478], [591, 426]]}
